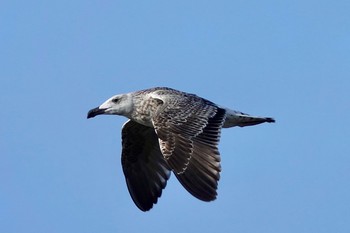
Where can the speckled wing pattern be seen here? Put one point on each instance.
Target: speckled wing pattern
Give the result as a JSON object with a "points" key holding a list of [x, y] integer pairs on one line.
{"points": [[188, 128], [145, 169]]}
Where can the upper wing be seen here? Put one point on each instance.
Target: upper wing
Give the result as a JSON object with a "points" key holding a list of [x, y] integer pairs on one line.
{"points": [[145, 169], [189, 131]]}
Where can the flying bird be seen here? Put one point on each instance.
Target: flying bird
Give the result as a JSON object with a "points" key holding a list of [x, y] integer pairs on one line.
{"points": [[171, 131]]}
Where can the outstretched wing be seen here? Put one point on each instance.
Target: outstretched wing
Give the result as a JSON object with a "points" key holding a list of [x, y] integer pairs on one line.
{"points": [[189, 129], [145, 169]]}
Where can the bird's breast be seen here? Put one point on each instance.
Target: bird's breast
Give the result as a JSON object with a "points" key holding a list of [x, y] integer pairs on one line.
{"points": [[145, 110]]}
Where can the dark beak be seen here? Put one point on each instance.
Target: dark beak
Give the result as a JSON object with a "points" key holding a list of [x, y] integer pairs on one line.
{"points": [[95, 111]]}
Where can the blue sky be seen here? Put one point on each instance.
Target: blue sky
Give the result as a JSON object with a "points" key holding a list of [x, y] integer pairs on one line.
{"points": [[60, 172]]}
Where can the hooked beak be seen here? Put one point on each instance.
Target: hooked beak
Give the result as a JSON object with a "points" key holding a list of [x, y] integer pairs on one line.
{"points": [[95, 111]]}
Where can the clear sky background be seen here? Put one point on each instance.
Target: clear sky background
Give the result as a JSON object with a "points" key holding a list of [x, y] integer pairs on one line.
{"points": [[61, 173]]}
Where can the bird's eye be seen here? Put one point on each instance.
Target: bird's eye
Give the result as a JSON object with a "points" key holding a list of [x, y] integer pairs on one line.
{"points": [[115, 100]]}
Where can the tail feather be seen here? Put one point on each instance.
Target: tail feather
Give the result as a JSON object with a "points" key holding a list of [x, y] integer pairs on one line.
{"points": [[236, 118]]}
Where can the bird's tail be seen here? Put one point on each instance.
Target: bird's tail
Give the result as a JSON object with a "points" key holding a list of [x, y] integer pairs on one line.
{"points": [[236, 118]]}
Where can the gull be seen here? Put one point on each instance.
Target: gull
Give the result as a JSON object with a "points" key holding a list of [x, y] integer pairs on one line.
{"points": [[171, 131]]}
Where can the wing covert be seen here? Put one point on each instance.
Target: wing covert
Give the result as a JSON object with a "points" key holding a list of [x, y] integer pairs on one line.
{"points": [[189, 131]]}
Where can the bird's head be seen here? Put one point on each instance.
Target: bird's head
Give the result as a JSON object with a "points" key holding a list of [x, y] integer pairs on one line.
{"points": [[116, 105]]}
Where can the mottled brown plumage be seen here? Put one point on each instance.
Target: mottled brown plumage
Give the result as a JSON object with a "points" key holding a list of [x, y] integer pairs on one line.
{"points": [[170, 130]]}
